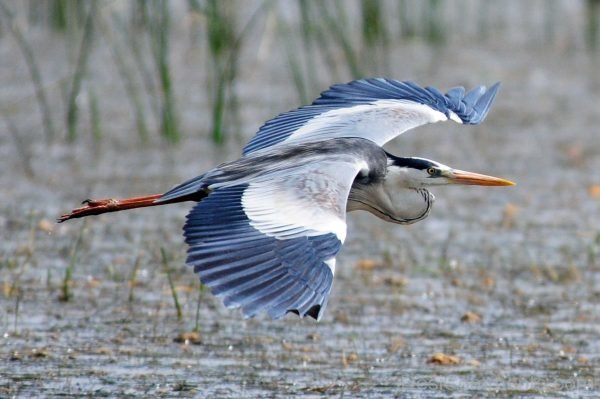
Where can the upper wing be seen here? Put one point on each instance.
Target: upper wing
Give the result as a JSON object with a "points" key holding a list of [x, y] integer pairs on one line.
{"points": [[375, 109], [269, 244]]}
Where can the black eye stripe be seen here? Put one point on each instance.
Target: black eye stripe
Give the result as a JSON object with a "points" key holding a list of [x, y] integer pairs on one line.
{"points": [[414, 163]]}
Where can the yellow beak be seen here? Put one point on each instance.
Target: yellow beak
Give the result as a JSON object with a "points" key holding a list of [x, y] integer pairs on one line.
{"points": [[469, 178]]}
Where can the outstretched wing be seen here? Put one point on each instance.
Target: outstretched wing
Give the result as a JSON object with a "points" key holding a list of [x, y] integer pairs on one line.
{"points": [[269, 244], [375, 109]]}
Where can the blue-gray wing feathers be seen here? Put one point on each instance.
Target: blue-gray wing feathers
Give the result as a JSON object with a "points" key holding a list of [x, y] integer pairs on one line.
{"points": [[252, 270], [471, 107]]}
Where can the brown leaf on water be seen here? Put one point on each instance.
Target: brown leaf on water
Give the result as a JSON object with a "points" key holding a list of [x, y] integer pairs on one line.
{"points": [[322, 389], [367, 264], [92, 282], [349, 358], [509, 215], [39, 353], [103, 350], [46, 226], [313, 337], [594, 191], [444, 359], [488, 282], [456, 282], [341, 317], [471, 317], [189, 337]]}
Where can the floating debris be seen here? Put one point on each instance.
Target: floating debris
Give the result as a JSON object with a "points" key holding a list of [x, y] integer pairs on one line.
{"points": [[594, 191], [46, 225], [471, 317], [348, 359], [367, 264], [444, 359], [190, 337]]}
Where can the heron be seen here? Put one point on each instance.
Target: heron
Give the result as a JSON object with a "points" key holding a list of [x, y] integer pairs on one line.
{"points": [[266, 228]]}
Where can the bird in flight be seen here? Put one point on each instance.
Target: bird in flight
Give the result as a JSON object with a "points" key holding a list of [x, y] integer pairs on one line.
{"points": [[267, 227]]}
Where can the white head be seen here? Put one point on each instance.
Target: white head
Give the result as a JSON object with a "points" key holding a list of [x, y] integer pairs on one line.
{"points": [[401, 195], [416, 172]]}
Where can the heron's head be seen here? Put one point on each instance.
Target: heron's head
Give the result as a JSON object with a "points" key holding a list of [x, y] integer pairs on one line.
{"points": [[420, 172], [401, 195]]}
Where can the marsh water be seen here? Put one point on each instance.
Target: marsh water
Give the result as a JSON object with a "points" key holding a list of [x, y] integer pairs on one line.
{"points": [[496, 294]]}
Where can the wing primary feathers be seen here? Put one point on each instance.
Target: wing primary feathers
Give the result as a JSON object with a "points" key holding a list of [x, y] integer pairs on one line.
{"points": [[253, 270], [319, 120]]}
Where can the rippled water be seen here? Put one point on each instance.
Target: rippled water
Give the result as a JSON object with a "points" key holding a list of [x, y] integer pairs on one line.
{"points": [[525, 259]]}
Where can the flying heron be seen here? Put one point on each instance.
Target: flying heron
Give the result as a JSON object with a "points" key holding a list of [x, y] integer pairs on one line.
{"points": [[267, 227]]}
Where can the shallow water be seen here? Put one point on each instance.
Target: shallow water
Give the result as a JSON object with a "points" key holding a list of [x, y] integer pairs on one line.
{"points": [[525, 259]]}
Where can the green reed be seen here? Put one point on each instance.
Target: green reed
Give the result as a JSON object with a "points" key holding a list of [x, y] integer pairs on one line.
{"points": [[85, 50], [167, 270]]}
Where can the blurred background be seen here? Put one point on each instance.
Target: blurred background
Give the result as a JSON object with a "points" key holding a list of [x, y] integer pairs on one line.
{"points": [[118, 98]]}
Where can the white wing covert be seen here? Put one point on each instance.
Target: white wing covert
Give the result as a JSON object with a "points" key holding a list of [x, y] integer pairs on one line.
{"points": [[375, 109], [269, 244]]}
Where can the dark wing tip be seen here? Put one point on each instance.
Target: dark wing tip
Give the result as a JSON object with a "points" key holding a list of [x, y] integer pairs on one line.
{"points": [[471, 107], [314, 312], [474, 106]]}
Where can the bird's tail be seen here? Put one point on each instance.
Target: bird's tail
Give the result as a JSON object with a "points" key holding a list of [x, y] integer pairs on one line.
{"points": [[97, 207]]}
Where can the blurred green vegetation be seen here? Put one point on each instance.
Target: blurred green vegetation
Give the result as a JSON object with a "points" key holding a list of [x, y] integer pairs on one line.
{"points": [[322, 42]]}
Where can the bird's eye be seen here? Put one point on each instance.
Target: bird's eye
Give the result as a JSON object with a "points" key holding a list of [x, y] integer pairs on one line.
{"points": [[432, 171]]}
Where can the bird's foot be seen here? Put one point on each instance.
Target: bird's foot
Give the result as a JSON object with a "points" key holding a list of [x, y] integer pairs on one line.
{"points": [[90, 207]]}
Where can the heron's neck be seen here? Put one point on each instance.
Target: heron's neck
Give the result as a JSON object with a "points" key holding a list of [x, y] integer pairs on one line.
{"points": [[393, 204]]}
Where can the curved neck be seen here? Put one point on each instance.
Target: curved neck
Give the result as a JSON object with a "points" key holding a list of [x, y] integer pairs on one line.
{"points": [[393, 204]]}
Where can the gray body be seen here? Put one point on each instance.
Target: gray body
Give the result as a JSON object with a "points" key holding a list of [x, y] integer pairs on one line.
{"points": [[268, 226]]}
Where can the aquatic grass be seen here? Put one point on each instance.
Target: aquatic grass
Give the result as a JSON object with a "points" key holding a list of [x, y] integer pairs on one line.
{"points": [[132, 283], [375, 38], [224, 47], [201, 290], [294, 62], [305, 79], [59, 16], [435, 25], [85, 50], [336, 28], [31, 235], [592, 28], [167, 270], [550, 21], [18, 297], [159, 30], [374, 31], [593, 252], [66, 15], [34, 71], [136, 45], [407, 21], [95, 124], [445, 262], [66, 294], [22, 146], [126, 73]]}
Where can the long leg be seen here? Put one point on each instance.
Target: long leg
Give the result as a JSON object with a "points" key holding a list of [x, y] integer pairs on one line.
{"points": [[97, 207]]}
